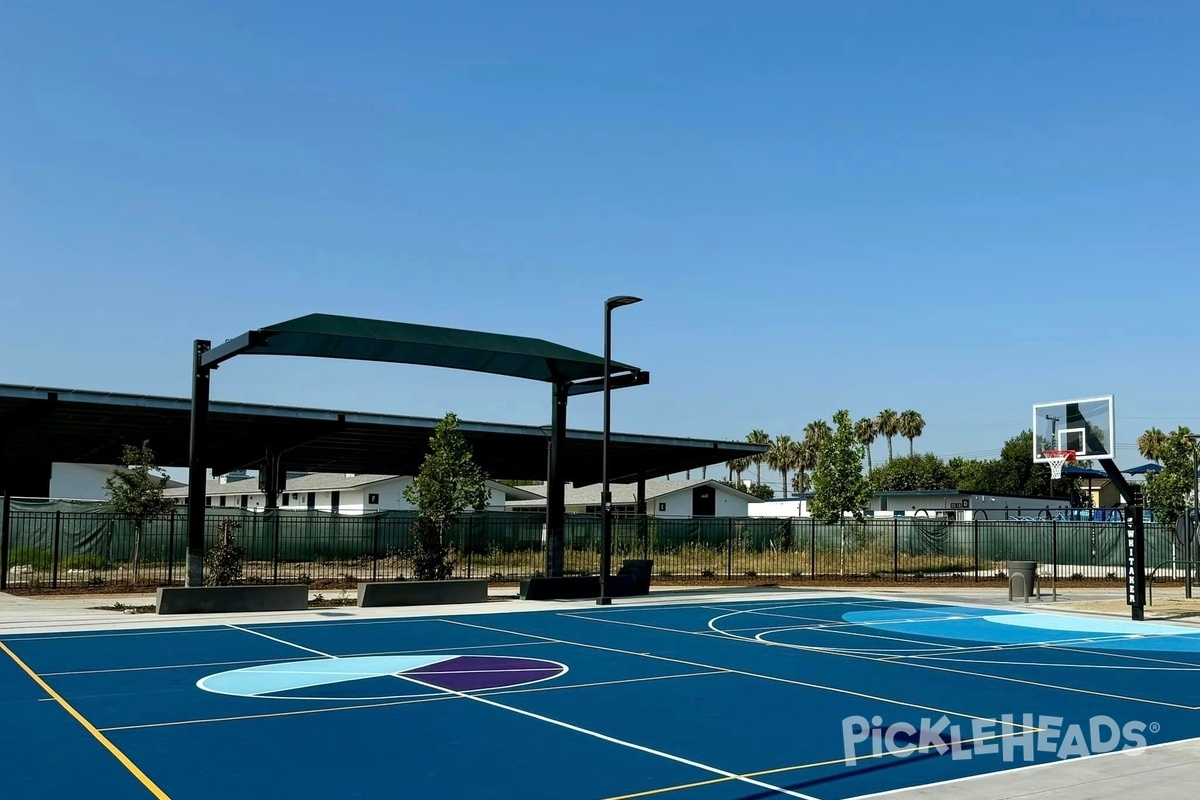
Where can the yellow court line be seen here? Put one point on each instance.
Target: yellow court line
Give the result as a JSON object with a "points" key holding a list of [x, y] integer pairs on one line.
{"points": [[794, 768], [89, 727]]}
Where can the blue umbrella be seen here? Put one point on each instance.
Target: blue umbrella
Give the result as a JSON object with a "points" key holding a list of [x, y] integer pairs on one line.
{"points": [[1144, 468], [1083, 472]]}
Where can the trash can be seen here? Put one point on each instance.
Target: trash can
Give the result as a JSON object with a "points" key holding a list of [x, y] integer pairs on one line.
{"points": [[1026, 569]]}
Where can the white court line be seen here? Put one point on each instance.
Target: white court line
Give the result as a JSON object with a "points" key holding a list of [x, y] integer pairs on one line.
{"points": [[281, 641], [621, 742], [774, 678], [577, 729], [277, 660], [906, 661], [409, 700], [1064, 665]]}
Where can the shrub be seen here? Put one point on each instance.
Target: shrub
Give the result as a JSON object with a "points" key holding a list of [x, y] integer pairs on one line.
{"points": [[223, 561]]}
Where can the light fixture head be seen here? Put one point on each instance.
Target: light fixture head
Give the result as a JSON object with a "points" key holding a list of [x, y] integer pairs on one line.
{"points": [[621, 300]]}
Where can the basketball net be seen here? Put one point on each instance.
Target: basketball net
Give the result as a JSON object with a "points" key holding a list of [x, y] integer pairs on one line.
{"points": [[1057, 459]]}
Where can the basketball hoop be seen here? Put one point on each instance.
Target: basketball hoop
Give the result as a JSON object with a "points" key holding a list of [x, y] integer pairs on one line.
{"points": [[1057, 459]]}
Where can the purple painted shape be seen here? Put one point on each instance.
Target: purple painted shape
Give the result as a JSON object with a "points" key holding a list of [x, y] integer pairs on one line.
{"points": [[472, 681], [471, 673]]}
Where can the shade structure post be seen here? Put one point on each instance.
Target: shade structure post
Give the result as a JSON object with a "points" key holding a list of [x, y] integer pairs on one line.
{"points": [[555, 491], [197, 448]]}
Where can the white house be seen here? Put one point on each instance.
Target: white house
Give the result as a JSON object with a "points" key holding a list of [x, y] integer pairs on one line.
{"points": [[686, 498], [84, 481], [342, 493]]}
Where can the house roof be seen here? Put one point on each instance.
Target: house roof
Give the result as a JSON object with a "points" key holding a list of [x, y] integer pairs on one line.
{"points": [[321, 482], [78, 426], [625, 493]]}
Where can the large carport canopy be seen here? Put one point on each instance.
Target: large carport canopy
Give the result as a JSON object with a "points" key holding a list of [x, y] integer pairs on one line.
{"points": [[42, 425]]}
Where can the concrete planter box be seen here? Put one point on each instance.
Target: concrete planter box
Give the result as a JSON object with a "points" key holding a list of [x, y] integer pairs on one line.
{"points": [[631, 580], [422, 593], [230, 599]]}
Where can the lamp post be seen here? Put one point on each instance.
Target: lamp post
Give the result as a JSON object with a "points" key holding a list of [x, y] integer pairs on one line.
{"points": [[1190, 527], [605, 494]]}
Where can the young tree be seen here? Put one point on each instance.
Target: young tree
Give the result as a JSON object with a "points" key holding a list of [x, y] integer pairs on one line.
{"points": [[839, 487], [136, 493], [1167, 492], [448, 482]]}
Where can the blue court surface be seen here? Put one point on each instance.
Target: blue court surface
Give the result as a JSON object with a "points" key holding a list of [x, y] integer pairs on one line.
{"points": [[798, 695]]}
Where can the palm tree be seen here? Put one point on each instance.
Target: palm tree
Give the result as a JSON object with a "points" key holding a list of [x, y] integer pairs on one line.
{"points": [[783, 455], [910, 425], [887, 422], [758, 436], [817, 434], [806, 461], [1152, 444], [866, 432]]}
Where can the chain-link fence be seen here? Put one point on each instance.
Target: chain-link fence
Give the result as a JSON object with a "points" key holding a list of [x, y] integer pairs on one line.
{"points": [[61, 546]]}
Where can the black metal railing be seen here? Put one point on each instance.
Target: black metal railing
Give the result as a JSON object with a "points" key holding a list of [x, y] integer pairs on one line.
{"points": [[81, 549]]}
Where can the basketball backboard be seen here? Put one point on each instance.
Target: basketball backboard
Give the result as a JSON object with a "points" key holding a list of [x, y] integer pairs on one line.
{"points": [[1085, 426]]}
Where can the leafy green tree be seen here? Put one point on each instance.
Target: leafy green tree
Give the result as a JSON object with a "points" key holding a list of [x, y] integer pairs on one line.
{"points": [[136, 493], [916, 473], [1168, 492], [1013, 473], [866, 432], [758, 436], [887, 422], [760, 490], [1152, 444], [448, 483], [967, 474], [839, 487], [910, 426]]}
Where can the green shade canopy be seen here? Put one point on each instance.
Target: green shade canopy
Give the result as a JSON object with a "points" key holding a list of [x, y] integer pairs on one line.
{"points": [[331, 336]]}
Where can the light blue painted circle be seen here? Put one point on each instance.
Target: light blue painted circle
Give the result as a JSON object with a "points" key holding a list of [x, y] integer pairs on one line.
{"points": [[984, 625]]}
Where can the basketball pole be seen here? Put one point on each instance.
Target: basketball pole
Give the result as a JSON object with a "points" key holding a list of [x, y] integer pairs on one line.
{"points": [[1135, 541]]}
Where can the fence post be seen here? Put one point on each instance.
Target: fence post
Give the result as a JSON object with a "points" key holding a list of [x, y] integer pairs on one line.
{"points": [[729, 549], [57, 545], [275, 550], [812, 548], [470, 541], [975, 545], [375, 551], [1054, 555], [895, 549], [5, 535], [171, 550]]}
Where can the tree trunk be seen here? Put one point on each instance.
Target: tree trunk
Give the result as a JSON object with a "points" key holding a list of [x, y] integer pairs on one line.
{"points": [[842, 558], [889, 449], [785, 486], [869, 459], [910, 446]]}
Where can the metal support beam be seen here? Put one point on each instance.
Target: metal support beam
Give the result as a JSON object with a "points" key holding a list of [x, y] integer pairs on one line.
{"points": [[197, 482], [272, 472], [641, 494], [1135, 541], [5, 529], [555, 492]]}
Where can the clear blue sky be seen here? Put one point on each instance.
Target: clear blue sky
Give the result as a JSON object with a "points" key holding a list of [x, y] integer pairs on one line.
{"points": [[825, 205]]}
